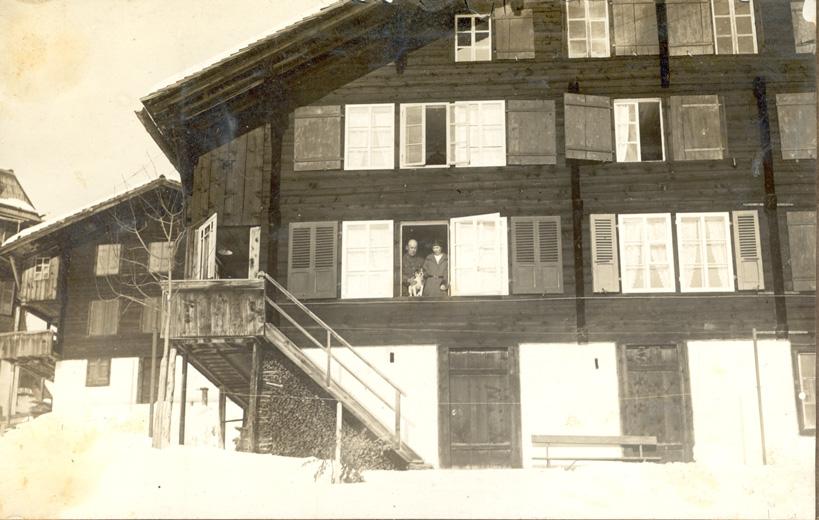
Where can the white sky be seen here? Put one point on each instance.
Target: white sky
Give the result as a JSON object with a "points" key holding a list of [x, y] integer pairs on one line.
{"points": [[72, 73]]}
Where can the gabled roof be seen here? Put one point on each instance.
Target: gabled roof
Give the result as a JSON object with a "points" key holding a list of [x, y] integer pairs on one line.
{"points": [[14, 201], [50, 226]]}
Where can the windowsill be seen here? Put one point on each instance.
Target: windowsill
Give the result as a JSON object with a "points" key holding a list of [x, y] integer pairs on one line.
{"points": [[808, 433]]}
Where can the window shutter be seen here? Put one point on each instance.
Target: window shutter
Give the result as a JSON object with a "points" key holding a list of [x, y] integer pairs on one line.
{"points": [[150, 314], [95, 318], [98, 372], [531, 132], [325, 260], [749, 253], [111, 323], [635, 27], [103, 317], [537, 255], [804, 32], [689, 27], [160, 257], [313, 259], [317, 138], [605, 266], [7, 297], [588, 127], [802, 245], [796, 114], [53, 274], [697, 128], [514, 34]]}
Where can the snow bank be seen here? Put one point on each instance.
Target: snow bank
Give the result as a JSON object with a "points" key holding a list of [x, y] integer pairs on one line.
{"points": [[73, 467]]}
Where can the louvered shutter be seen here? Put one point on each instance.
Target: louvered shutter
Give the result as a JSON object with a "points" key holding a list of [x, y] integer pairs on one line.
{"points": [[748, 250], [530, 132], [804, 32], [514, 34], [605, 265], [317, 138], [689, 27], [7, 297], [587, 127], [635, 27], [802, 245], [537, 255], [313, 259], [796, 114], [697, 128]]}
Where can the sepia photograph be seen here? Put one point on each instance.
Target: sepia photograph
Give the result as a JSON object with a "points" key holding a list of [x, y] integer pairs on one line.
{"points": [[408, 259]]}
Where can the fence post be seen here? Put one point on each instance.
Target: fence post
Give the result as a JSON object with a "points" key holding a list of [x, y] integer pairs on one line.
{"points": [[329, 358], [337, 462], [397, 419]]}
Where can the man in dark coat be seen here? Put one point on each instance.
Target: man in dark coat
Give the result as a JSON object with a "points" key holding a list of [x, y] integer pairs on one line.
{"points": [[409, 263]]}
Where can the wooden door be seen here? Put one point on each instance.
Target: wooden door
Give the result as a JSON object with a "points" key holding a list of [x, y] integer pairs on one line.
{"points": [[481, 409], [654, 397]]}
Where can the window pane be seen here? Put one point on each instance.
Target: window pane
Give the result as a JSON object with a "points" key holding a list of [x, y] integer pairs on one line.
{"points": [[482, 23], [465, 40], [742, 7], [576, 9], [659, 277], [717, 277], [693, 277], [464, 23], [577, 29], [721, 7], [436, 135], [651, 143]]}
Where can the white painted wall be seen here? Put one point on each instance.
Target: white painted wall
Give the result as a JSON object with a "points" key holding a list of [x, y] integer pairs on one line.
{"points": [[5, 385], [562, 392], [724, 403], [414, 370]]}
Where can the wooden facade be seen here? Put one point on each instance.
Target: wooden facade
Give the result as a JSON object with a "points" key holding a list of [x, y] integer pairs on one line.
{"points": [[312, 185]]}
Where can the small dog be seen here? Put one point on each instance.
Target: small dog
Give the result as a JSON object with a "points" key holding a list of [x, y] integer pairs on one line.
{"points": [[416, 287]]}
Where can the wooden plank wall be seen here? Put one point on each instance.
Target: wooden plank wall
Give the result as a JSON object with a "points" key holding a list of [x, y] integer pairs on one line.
{"points": [[210, 310]]}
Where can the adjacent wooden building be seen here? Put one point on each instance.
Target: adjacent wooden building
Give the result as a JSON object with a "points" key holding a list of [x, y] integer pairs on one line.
{"points": [[624, 193]]}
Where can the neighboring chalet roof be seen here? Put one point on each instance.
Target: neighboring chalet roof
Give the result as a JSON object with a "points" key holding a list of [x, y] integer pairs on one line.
{"points": [[16, 244], [342, 41], [14, 202]]}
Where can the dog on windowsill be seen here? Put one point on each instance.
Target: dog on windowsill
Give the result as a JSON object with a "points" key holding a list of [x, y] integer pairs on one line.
{"points": [[416, 286]]}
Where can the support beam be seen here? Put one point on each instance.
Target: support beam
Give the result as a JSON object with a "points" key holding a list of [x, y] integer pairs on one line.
{"points": [[662, 36], [12, 395], [152, 389], [253, 401], [222, 406], [577, 243], [183, 397]]}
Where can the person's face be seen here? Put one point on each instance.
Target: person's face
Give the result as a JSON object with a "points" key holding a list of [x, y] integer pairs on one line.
{"points": [[412, 247], [437, 249]]}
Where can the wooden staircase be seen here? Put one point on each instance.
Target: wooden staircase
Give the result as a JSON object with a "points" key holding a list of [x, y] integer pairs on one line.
{"points": [[329, 375]]}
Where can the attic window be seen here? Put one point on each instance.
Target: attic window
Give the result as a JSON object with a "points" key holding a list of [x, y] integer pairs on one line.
{"points": [[473, 37], [42, 267]]}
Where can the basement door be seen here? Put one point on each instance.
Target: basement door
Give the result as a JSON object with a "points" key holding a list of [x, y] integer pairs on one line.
{"points": [[480, 410], [654, 398]]}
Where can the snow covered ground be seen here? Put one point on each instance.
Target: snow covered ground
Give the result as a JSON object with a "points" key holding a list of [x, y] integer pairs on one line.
{"points": [[56, 467]]}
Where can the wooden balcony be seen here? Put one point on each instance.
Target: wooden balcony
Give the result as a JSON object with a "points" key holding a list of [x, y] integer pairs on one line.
{"points": [[33, 349]]}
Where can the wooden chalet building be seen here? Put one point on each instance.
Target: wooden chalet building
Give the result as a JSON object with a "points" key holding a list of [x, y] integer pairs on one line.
{"points": [[624, 191]]}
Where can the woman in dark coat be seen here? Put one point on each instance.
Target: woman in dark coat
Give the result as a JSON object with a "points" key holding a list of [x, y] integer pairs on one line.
{"points": [[436, 272]]}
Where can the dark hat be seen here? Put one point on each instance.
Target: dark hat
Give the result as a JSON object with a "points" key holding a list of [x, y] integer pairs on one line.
{"points": [[437, 243]]}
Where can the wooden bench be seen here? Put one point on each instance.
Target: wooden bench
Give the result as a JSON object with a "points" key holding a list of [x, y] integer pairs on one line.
{"points": [[621, 441]]}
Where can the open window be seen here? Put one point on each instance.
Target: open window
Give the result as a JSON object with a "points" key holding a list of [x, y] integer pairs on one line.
{"points": [[204, 262], [417, 239], [479, 255], [477, 133], [424, 135], [638, 129]]}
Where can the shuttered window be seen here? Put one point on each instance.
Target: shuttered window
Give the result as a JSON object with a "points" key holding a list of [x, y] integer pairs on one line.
{"points": [[317, 138], [537, 255], [479, 255], [689, 27], [697, 128], [587, 28], [103, 317], [424, 135], [635, 27], [605, 266], [704, 249], [312, 265], [151, 311], [477, 133], [107, 262], [7, 297], [98, 372], [638, 129], [159, 257], [806, 390], [802, 245], [804, 32], [750, 276], [473, 37], [646, 253], [368, 137], [734, 26], [367, 259], [514, 34], [587, 127], [797, 125], [530, 132]]}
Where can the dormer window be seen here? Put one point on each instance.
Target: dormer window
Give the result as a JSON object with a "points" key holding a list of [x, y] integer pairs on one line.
{"points": [[473, 37]]}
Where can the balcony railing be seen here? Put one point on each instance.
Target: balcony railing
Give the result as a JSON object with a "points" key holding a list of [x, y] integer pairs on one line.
{"points": [[21, 346]]}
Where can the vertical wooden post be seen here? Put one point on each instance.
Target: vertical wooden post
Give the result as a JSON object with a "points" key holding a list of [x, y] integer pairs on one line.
{"points": [[222, 405], [183, 397], [759, 399], [12, 394], [397, 419], [337, 459], [253, 402], [329, 359], [152, 391]]}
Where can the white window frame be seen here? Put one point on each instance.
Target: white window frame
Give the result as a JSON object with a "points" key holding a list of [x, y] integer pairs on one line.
{"points": [[588, 38], [703, 245], [403, 135], [733, 17], [348, 292], [204, 258], [457, 129], [645, 261], [370, 129], [618, 133], [804, 403], [472, 32], [500, 246], [42, 268]]}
